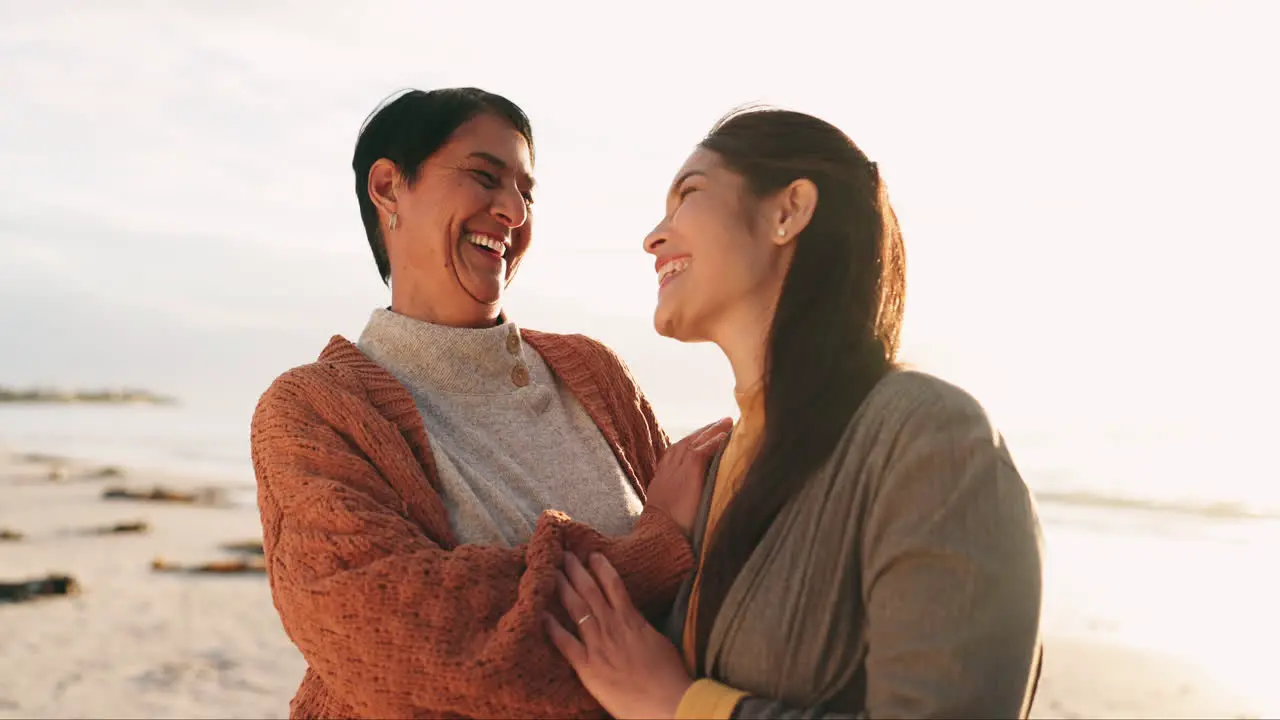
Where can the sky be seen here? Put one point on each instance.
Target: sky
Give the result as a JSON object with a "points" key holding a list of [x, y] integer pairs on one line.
{"points": [[1086, 189]]}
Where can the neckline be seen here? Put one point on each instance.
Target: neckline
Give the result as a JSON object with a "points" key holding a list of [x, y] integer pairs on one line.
{"points": [[431, 358]]}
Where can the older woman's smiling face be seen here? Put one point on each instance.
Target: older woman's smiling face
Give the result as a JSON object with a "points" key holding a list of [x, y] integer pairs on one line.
{"points": [[461, 226]]}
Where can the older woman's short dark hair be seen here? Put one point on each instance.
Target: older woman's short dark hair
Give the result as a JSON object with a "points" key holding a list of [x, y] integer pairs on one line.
{"points": [[407, 129]]}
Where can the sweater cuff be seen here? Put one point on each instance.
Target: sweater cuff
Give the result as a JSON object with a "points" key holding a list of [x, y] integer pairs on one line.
{"points": [[708, 700], [653, 559]]}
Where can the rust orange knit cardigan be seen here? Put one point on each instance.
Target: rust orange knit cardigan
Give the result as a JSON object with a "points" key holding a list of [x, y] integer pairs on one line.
{"points": [[394, 618]]}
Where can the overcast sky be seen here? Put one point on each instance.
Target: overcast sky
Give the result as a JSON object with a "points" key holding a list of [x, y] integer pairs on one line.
{"points": [[1087, 190]]}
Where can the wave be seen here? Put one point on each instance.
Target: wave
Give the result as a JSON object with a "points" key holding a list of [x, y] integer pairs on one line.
{"points": [[1204, 509], [216, 446]]}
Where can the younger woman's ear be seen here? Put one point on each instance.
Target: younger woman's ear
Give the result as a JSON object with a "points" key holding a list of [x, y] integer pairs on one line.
{"points": [[795, 206]]}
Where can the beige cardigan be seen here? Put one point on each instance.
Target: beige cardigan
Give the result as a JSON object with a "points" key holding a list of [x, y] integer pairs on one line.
{"points": [[903, 581]]}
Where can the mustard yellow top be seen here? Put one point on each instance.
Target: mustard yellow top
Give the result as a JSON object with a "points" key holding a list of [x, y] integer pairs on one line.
{"points": [[708, 698]]}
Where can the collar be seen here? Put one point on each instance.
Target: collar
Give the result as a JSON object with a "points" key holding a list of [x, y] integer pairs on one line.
{"points": [[438, 358]]}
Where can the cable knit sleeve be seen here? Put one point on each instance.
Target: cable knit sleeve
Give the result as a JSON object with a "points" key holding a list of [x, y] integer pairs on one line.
{"points": [[395, 625]]}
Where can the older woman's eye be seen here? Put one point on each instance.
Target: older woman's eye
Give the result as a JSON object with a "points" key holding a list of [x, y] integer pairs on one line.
{"points": [[528, 198], [684, 192], [487, 179]]}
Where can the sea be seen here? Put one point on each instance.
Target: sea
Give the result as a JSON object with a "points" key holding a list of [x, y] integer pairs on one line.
{"points": [[1185, 472]]}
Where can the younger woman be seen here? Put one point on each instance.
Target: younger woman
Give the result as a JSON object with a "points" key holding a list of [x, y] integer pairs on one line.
{"points": [[866, 545]]}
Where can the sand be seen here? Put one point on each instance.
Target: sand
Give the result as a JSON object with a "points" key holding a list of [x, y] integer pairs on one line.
{"points": [[136, 643]]}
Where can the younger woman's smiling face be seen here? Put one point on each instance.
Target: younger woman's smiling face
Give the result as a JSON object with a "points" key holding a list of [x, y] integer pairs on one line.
{"points": [[716, 253]]}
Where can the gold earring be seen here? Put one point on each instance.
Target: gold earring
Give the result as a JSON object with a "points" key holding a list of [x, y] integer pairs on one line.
{"points": [[782, 232], [394, 221]]}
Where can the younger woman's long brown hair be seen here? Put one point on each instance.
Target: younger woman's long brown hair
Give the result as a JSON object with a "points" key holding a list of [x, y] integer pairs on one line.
{"points": [[835, 332]]}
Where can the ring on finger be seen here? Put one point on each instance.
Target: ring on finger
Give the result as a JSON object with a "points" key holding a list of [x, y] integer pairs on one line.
{"points": [[585, 618]]}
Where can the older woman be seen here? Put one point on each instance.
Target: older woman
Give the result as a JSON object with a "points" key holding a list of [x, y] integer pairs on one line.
{"points": [[420, 487], [867, 546]]}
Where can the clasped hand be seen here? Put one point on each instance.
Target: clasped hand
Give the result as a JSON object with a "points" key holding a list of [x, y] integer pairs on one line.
{"points": [[630, 668]]}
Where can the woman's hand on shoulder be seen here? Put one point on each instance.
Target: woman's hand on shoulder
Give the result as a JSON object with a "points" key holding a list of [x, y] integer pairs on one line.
{"points": [[679, 480]]}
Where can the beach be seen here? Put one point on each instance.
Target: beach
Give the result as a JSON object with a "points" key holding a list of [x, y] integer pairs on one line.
{"points": [[186, 215], [134, 643], [140, 643]]}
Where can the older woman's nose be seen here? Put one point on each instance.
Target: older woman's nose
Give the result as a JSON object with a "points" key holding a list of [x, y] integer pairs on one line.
{"points": [[510, 208]]}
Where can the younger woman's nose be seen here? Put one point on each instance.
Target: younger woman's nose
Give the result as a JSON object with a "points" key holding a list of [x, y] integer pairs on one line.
{"points": [[655, 239]]}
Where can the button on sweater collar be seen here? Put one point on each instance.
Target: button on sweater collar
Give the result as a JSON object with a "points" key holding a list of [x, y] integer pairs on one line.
{"points": [[439, 358]]}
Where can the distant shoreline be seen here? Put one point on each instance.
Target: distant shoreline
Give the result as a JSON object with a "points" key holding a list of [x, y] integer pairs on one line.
{"points": [[37, 396]]}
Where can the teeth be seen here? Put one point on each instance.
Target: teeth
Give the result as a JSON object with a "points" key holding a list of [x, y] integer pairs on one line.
{"points": [[672, 268], [486, 241]]}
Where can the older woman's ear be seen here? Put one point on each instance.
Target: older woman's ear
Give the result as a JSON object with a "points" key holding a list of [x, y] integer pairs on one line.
{"points": [[384, 180]]}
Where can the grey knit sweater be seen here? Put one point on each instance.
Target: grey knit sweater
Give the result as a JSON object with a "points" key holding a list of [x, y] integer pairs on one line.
{"points": [[508, 440]]}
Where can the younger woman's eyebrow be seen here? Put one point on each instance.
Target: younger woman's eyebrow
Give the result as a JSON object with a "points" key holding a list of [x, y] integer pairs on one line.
{"points": [[680, 180]]}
